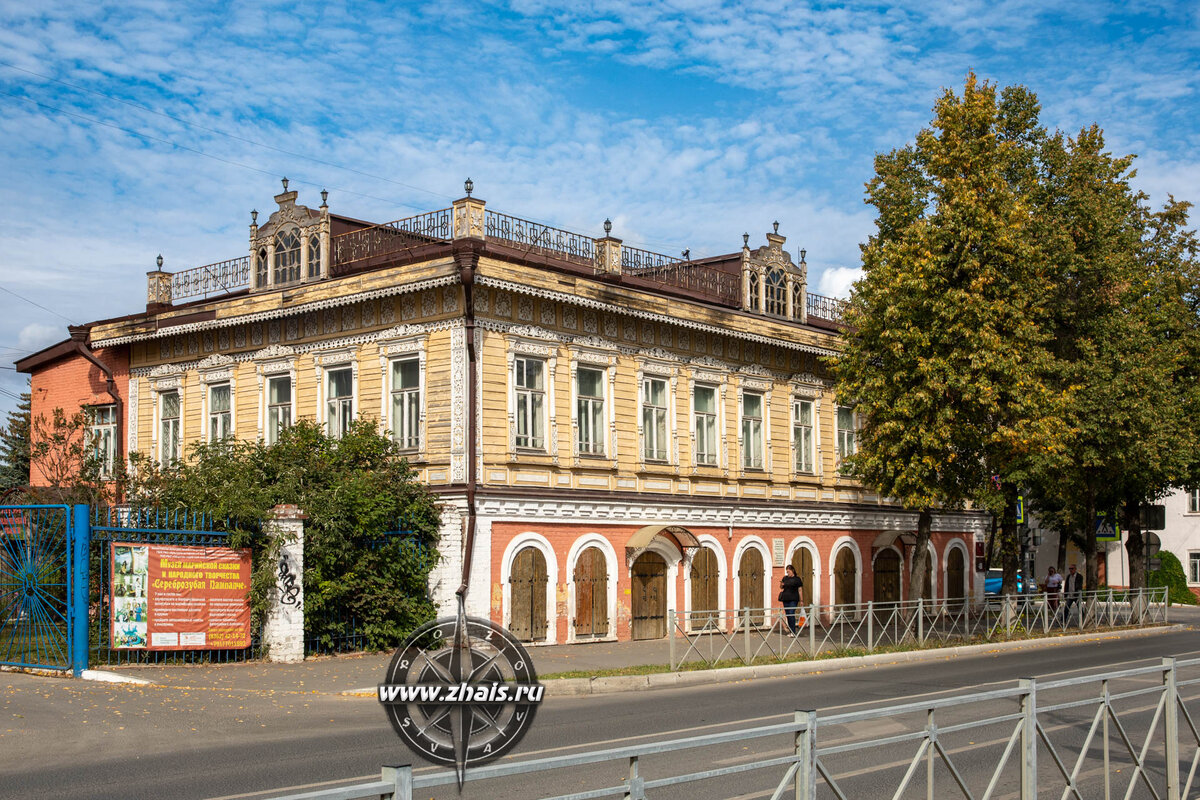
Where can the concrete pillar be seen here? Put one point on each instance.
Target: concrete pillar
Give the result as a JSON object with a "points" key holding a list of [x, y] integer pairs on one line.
{"points": [[283, 633]]}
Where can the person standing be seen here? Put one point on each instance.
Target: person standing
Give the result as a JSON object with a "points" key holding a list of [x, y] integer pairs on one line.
{"points": [[790, 587], [1072, 590], [1053, 586]]}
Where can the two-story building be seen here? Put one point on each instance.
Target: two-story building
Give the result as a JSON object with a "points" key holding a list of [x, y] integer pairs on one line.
{"points": [[613, 432]]}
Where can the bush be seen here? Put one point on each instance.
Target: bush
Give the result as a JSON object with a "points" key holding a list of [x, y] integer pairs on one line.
{"points": [[1171, 575], [353, 489]]}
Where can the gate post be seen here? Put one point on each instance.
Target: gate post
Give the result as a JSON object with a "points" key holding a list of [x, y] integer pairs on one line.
{"points": [[283, 632], [81, 538]]}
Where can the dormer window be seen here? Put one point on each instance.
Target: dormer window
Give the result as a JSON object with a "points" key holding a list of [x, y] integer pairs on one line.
{"points": [[287, 257], [314, 256], [776, 293]]}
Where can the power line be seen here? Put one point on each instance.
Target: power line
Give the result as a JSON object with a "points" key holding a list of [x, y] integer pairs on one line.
{"points": [[219, 132], [39, 305]]}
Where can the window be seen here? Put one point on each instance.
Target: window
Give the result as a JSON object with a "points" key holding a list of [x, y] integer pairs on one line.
{"points": [[590, 410], [339, 401], [797, 300], [287, 257], [752, 430], [847, 443], [529, 380], [169, 417], [704, 412], [314, 256], [654, 419], [102, 430], [406, 403], [279, 407], [802, 434], [220, 419], [260, 267], [776, 293], [1193, 567], [752, 288], [1194, 501]]}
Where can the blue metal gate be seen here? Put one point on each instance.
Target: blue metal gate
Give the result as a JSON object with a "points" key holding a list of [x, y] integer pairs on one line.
{"points": [[41, 604]]}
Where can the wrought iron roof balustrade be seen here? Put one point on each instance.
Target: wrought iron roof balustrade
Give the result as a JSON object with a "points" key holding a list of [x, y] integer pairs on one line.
{"points": [[387, 239], [220, 278], [535, 237], [822, 307]]}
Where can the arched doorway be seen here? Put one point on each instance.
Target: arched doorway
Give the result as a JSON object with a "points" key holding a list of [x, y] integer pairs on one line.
{"points": [[649, 597], [591, 594], [527, 594], [750, 580], [706, 585], [887, 577], [802, 562], [956, 585], [845, 578]]}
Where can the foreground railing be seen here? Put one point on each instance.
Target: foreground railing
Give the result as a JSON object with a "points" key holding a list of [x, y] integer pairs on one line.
{"points": [[219, 278], [1121, 733], [714, 636]]}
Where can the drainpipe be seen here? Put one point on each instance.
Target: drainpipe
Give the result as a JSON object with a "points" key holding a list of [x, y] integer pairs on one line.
{"points": [[79, 338], [467, 257]]}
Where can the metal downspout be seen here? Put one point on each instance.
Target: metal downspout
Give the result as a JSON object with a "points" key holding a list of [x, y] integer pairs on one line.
{"points": [[79, 338], [466, 270]]}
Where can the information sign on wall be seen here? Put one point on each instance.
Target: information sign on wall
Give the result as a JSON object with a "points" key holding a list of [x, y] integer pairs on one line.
{"points": [[172, 597]]}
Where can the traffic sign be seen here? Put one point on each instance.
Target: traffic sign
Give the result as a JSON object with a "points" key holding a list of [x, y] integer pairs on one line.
{"points": [[1020, 510], [1107, 530], [1154, 564], [1153, 544], [1154, 517]]}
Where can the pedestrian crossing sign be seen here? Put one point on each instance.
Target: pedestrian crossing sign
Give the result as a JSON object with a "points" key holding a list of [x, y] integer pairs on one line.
{"points": [[1107, 529]]}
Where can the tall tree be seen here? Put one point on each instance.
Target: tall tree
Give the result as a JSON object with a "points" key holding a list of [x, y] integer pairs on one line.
{"points": [[14, 446], [945, 356]]}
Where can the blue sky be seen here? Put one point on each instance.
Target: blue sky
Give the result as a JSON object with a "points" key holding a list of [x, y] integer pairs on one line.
{"points": [[133, 129]]}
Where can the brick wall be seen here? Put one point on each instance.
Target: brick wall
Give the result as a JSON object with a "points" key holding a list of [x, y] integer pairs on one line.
{"points": [[73, 383]]}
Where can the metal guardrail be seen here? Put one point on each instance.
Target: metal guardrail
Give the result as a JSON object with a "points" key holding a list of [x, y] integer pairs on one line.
{"points": [[386, 239], [219, 278], [822, 307], [746, 634], [806, 763], [534, 236]]}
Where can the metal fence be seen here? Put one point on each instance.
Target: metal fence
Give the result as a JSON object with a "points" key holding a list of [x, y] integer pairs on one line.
{"points": [[1082, 737], [746, 634]]}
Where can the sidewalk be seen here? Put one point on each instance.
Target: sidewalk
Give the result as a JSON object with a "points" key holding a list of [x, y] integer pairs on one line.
{"points": [[356, 672]]}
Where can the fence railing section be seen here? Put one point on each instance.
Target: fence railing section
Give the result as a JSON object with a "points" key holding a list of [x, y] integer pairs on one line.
{"points": [[723, 635], [635, 261], [387, 239], [220, 278], [539, 238], [1121, 733], [822, 307]]}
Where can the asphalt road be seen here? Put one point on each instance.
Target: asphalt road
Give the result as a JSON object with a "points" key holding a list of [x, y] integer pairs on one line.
{"points": [[61, 738]]}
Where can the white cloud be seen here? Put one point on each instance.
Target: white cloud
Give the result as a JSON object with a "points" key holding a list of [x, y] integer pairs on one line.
{"points": [[37, 335], [838, 281]]}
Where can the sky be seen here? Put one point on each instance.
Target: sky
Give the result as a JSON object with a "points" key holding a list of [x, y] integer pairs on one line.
{"points": [[138, 128]]}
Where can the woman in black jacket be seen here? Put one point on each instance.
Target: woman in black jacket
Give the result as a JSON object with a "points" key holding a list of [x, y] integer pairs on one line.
{"points": [[789, 594]]}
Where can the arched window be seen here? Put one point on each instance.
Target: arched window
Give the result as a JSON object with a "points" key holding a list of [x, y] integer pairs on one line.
{"points": [[260, 268], [776, 293], [752, 288], [287, 256], [314, 256], [797, 300]]}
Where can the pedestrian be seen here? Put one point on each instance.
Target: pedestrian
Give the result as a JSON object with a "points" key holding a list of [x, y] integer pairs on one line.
{"points": [[1053, 585], [1072, 590], [790, 587]]}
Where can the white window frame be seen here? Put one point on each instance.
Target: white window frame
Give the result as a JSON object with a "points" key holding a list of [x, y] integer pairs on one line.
{"points": [[161, 423], [96, 432], [1193, 501], [742, 431], [344, 402], [267, 405], [395, 346], [716, 415], [595, 355], [216, 371], [540, 344], [414, 440], [662, 452], [597, 446], [798, 467], [838, 438], [1193, 567], [535, 419], [210, 415]]}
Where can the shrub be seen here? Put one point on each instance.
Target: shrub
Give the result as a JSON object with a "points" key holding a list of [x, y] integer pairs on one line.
{"points": [[1170, 574]]}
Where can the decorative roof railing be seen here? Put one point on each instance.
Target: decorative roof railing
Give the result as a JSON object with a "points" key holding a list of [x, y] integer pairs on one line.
{"points": [[387, 239], [635, 261], [535, 237], [827, 308], [220, 278]]}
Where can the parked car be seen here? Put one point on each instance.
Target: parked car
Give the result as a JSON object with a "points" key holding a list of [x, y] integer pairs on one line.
{"points": [[995, 579]]}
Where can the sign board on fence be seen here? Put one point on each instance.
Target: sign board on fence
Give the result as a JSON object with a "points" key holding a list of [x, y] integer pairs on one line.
{"points": [[172, 597], [1107, 529]]}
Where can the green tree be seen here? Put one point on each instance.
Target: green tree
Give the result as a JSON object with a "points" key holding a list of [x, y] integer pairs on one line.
{"points": [[352, 489], [14, 446], [945, 355], [65, 458]]}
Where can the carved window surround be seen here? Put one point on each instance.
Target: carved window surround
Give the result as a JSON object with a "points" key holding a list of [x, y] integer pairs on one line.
{"points": [[658, 363], [271, 362], [594, 352], [325, 361], [214, 370], [534, 342], [165, 378], [403, 343]]}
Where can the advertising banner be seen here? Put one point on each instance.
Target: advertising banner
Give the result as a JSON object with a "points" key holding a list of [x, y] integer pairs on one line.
{"points": [[173, 597]]}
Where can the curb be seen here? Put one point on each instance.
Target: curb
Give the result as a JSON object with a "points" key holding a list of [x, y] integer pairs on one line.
{"points": [[574, 687], [112, 677]]}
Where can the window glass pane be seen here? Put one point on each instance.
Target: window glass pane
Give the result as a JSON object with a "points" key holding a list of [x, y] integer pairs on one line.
{"points": [[706, 399], [591, 383], [751, 405], [405, 374], [281, 390], [845, 418], [170, 405], [804, 413], [341, 382], [219, 399], [1194, 567]]}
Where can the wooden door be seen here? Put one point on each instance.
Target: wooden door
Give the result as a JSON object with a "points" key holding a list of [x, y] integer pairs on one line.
{"points": [[750, 578], [845, 578], [591, 594], [649, 591], [956, 588], [705, 588], [887, 577], [527, 592], [802, 562]]}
